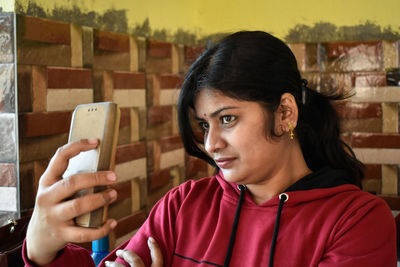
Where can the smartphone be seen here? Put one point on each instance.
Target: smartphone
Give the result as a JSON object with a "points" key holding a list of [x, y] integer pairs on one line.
{"points": [[101, 121]]}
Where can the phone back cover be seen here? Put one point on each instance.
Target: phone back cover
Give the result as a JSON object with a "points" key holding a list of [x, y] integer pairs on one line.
{"points": [[96, 120]]}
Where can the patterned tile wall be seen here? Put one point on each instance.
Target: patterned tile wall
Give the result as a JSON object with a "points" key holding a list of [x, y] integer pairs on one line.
{"points": [[8, 115]]}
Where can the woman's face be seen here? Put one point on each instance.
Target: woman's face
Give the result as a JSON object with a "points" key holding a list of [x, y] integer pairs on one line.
{"points": [[235, 136]]}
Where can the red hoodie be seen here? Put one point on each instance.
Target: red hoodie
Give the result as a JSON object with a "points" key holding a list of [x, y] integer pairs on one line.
{"points": [[325, 222]]}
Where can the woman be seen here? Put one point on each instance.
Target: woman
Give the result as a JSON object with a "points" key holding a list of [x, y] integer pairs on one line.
{"points": [[285, 194]]}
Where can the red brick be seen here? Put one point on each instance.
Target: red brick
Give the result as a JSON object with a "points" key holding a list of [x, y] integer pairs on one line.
{"points": [[129, 80], [337, 49], [353, 56], [350, 110], [160, 114], [191, 53], [159, 49], [44, 54], [111, 41], [7, 174], [45, 123], [69, 78], [372, 171], [170, 143], [370, 140], [130, 152], [125, 119], [368, 79], [170, 81], [130, 223], [43, 30], [123, 190], [159, 178]]}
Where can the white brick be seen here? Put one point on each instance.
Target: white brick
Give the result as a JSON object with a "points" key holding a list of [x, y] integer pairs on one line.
{"points": [[67, 99], [376, 94], [169, 97], [172, 158], [378, 155], [389, 180], [131, 169], [8, 199], [130, 97]]}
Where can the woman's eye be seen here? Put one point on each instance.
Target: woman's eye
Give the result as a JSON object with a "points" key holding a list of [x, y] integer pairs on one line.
{"points": [[228, 119], [204, 126]]}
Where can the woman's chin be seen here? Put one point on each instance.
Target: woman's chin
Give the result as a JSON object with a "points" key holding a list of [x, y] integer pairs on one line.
{"points": [[230, 176]]}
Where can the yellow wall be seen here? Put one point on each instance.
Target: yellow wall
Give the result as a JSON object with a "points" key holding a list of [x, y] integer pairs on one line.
{"points": [[7, 5], [205, 17], [277, 16]]}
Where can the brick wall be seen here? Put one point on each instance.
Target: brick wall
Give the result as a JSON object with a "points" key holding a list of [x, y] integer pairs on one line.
{"points": [[61, 65], [370, 118]]}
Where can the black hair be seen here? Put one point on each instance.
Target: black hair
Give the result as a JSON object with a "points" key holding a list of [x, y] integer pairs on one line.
{"points": [[256, 66]]}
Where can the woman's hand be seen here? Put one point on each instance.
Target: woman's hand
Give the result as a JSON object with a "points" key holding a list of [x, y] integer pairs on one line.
{"points": [[134, 260], [52, 225]]}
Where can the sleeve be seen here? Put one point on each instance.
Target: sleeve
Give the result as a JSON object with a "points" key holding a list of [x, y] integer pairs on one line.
{"points": [[71, 255], [159, 225], [363, 237]]}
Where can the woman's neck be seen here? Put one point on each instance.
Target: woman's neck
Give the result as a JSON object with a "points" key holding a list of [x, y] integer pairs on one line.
{"points": [[291, 170]]}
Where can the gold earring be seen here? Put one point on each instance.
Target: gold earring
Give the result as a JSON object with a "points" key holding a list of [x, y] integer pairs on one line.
{"points": [[291, 132]]}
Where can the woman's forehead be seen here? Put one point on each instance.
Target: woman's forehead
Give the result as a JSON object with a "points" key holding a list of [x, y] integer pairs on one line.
{"points": [[210, 101], [212, 97]]}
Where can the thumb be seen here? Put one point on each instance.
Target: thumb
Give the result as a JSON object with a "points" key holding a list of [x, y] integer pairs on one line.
{"points": [[155, 252]]}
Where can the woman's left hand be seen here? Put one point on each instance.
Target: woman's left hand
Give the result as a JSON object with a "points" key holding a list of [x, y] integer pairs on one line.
{"points": [[134, 260]]}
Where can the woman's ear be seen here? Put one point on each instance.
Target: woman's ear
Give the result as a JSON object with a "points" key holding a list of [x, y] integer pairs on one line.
{"points": [[287, 113]]}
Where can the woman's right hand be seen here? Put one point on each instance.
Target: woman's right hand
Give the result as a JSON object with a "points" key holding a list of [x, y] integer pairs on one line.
{"points": [[52, 224]]}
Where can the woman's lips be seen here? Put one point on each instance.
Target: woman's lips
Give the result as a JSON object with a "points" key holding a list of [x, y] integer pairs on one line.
{"points": [[224, 163]]}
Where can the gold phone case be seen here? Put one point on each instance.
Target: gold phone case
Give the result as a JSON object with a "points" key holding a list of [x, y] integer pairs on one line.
{"points": [[95, 120]]}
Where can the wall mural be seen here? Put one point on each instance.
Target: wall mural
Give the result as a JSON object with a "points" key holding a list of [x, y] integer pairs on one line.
{"points": [[116, 20]]}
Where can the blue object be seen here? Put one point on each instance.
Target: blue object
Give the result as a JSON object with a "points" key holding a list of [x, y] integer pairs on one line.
{"points": [[100, 249]]}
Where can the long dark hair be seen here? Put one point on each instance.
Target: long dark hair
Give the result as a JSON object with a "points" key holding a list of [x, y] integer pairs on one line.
{"points": [[256, 66]]}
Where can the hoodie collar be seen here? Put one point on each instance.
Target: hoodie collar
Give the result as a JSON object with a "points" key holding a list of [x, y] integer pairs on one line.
{"points": [[330, 181]]}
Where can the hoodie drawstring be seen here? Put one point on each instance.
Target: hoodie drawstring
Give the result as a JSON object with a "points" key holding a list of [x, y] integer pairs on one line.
{"points": [[282, 199], [242, 189]]}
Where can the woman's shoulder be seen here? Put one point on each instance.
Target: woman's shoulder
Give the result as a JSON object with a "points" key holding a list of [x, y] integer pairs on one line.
{"points": [[199, 185]]}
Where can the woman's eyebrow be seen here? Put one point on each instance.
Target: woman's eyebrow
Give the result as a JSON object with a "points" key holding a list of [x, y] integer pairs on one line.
{"points": [[215, 113]]}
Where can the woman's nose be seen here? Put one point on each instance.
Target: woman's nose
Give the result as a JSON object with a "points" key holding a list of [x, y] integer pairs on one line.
{"points": [[214, 141]]}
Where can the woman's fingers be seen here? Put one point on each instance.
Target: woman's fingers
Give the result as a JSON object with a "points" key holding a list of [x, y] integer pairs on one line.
{"points": [[68, 186], [72, 208], [82, 234], [130, 257], [135, 261], [155, 252], [59, 162]]}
